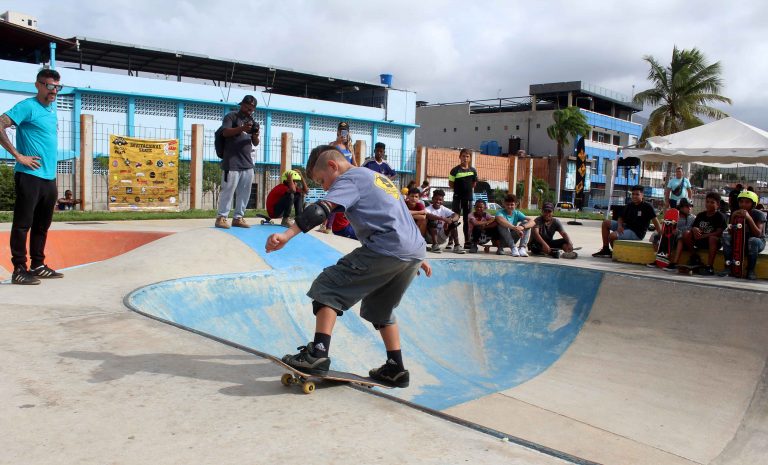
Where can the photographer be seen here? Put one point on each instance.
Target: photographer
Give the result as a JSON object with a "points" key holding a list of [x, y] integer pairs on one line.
{"points": [[241, 135]]}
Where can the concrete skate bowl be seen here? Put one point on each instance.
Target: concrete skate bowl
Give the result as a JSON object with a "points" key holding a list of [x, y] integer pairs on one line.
{"points": [[68, 248], [608, 367]]}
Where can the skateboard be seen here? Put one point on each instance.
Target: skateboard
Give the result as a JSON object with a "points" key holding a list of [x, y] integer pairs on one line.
{"points": [[690, 270], [307, 383], [738, 261], [558, 253], [264, 219], [667, 237]]}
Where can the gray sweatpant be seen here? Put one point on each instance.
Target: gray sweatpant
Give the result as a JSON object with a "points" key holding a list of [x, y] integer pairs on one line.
{"points": [[235, 184]]}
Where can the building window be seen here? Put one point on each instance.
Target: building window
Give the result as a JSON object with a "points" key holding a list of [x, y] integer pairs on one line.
{"points": [[538, 125], [445, 129], [517, 127], [475, 128], [616, 140], [454, 129], [506, 127], [489, 128]]}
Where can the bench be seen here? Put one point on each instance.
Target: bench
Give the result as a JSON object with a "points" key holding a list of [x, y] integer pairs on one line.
{"points": [[641, 253]]}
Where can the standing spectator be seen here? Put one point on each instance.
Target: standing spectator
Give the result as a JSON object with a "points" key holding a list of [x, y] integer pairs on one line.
{"points": [[241, 135], [378, 164], [754, 221], [442, 224], [631, 225], [67, 202], [343, 143], [462, 180], [417, 209], [513, 225], [677, 188], [706, 232], [543, 232], [481, 226], [34, 176], [290, 192]]}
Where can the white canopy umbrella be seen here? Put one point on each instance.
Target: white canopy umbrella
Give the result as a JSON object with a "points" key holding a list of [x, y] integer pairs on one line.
{"points": [[728, 142]]}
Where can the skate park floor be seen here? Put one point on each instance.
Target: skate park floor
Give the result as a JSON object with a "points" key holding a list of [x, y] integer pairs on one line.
{"points": [[643, 367]]}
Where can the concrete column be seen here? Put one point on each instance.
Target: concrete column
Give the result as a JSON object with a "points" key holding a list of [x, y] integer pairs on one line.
{"points": [[530, 184], [512, 174], [570, 99], [473, 158], [86, 162], [421, 164], [359, 152], [286, 144], [196, 168], [533, 102]]}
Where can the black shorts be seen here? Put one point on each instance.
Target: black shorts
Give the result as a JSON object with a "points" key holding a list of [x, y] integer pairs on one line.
{"points": [[553, 244], [704, 244]]}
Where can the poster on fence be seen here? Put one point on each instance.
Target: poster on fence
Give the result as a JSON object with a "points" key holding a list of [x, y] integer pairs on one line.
{"points": [[143, 174]]}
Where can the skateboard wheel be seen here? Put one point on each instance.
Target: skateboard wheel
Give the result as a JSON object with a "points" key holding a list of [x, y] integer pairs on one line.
{"points": [[738, 226], [737, 263], [728, 262], [286, 379], [308, 387]]}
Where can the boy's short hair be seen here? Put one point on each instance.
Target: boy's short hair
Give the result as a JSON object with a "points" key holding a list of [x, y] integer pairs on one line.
{"points": [[46, 73], [414, 190], [713, 195], [438, 193], [510, 198], [316, 154], [467, 151], [479, 201], [379, 145], [637, 187]]}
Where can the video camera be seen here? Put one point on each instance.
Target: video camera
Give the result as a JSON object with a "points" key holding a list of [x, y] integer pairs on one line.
{"points": [[255, 128]]}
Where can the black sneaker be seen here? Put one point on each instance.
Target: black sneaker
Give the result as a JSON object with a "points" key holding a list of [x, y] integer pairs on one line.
{"points": [[671, 267], [708, 271], [304, 361], [473, 248], [390, 374], [605, 252], [751, 275], [23, 277], [44, 272]]}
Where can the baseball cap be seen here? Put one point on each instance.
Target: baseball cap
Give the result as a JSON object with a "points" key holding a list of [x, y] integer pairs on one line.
{"points": [[294, 175], [683, 203], [343, 125], [749, 195], [548, 206]]}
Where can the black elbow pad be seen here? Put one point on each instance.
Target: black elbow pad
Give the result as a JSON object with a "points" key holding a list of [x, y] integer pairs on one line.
{"points": [[313, 215]]}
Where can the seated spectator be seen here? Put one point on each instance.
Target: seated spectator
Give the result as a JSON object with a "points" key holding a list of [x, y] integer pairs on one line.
{"points": [[417, 209], [482, 227], [290, 192], [705, 233], [426, 191], [631, 225], [341, 226], [67, 202], [378, 164], [442, 223], [684, 224], [513, 226], [754, 221], [543, 235]]}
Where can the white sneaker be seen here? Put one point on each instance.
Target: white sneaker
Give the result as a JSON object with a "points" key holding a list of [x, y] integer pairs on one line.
{"points": [[522, 252], [515, 252]]}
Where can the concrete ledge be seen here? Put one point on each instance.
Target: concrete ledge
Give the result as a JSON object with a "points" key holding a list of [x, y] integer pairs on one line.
{"points": [[641, 253]]}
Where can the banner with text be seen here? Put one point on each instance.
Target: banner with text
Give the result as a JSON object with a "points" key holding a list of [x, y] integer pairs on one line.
{"points": [[143, 174]]}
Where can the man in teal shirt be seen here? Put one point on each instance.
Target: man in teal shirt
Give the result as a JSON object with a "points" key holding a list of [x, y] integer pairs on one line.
{"points": [[34, 177]]}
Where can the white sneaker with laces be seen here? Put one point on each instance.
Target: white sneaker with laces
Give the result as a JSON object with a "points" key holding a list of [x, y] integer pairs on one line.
{"points": [[522, 252], [515, 252]]}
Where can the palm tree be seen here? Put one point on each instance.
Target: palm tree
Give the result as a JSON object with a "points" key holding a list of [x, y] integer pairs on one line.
{"points": [[681, 92], [569, 124]]}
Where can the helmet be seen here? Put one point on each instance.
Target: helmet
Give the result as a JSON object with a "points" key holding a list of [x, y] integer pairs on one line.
{"points": [[293, 174], [749, 195]]}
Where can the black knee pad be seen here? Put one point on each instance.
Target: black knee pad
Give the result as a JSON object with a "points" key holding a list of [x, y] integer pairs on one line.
{"points": [[313, 215], [316, 306]]}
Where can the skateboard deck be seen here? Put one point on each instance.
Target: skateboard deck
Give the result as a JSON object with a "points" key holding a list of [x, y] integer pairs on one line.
{"points": [[264, 219], [690, 270], [738, 261], [307, 383], [666, 237]]}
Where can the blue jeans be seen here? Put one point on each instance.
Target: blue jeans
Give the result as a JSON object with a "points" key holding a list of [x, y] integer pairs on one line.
{"points": [[755, 245], [627, 235]]}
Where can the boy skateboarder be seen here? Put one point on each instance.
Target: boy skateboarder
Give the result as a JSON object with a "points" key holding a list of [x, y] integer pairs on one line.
{"points": [[378, 273]]}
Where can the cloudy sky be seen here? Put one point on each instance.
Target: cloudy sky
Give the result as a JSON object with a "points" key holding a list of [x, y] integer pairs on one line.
{"points": [[446, 50]]}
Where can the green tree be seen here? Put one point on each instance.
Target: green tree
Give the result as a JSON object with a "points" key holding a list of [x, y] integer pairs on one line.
{"points": [[7, 190], [569, 124], [212, 180], [700, 175], [681, 93]]}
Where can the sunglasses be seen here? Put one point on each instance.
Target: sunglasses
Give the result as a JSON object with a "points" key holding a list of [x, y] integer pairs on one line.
{"points": [[57, 87]]}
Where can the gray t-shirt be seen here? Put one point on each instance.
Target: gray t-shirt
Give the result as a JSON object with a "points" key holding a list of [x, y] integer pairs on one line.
{"points": [[237, 149], [375, 209]]}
